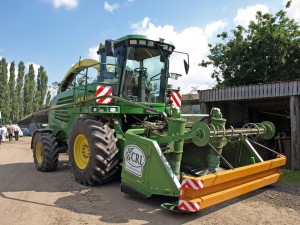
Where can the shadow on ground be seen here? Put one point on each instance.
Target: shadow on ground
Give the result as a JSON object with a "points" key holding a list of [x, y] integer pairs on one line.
{"points": [[107, 201]]}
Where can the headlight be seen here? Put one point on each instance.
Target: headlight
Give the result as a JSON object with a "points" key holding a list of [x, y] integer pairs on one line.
{"points": [[142, 42], [133, 42]]}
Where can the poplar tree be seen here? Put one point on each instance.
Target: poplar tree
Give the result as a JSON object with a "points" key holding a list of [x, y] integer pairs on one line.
{"points": [[19, 91], [41, 86], [25, 90], [38, 96], [48, 98], [12, 95], [1, 91], [29, 88], [22, 96], [44, 86], [4, 92]]}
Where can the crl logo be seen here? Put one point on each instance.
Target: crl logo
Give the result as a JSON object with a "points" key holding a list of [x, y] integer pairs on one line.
{"points": [[134, 160]]}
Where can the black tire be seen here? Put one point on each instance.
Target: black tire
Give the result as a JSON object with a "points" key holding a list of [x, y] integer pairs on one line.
{"points": [[98, 151], [45, 152]]}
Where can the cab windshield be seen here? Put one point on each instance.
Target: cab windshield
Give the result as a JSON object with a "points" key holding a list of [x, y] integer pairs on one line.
{"points": [[144, 78]]}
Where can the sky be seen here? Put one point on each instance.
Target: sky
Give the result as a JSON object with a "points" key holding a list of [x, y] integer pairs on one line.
{"points": [[56, 33]]}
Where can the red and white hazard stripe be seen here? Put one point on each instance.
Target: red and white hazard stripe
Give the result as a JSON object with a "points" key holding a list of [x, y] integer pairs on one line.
{"points": [[189, 206], [191, 183], [101, 91], [176, 98]]}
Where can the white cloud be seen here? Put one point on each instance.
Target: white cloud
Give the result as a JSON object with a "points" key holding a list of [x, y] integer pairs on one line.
{"points": [[192, 40], [93, 53], [245, 15], [294, 10], [111, 7], [210, 29], [68, 4]]}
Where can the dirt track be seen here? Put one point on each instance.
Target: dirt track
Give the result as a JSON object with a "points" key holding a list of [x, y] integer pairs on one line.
{"points": [[29, 197]]}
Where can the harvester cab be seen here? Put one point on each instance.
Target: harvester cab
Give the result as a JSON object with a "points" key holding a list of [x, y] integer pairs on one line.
{"points": [[125, 119], [137, 68]]}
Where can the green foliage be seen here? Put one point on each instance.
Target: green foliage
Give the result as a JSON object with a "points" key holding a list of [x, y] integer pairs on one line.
{"points": [[29, 91], [267, 51], [37, 93], [26, 89], [4, 92], [12, 93], [43, 86], [19, 98], [290, 177], [48, 98], [19, 91]]}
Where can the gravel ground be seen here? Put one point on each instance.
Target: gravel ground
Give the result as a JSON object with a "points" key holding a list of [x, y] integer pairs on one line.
{"points": [[278, 195], [29, 197]]}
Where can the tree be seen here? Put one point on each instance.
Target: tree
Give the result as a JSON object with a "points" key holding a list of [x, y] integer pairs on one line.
{"points": [[29, 88], [37, 93], [12, 95], [1, 91], [25, 90], [19, 91], [48, 98], [4, 92], [42, 84], [19, 98], [267, 51]]}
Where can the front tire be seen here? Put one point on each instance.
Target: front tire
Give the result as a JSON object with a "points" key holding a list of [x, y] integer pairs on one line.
{"points": [[92, 152], [45, 152]]}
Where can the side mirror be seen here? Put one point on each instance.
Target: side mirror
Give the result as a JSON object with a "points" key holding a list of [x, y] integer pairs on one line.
{"points": [[186, 66], [109, 48]]}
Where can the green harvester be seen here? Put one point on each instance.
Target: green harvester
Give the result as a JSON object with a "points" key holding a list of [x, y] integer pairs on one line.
{"points": [[125, 118]]}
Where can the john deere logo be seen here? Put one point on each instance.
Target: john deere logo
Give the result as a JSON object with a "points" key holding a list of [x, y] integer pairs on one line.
{"points": [[134, 160]]}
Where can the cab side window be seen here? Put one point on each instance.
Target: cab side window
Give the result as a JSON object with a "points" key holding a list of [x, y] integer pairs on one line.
{"points": [[108, 68]]}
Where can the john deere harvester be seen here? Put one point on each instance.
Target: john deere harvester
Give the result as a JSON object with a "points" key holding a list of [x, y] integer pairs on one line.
{"points": [[126, 118]]}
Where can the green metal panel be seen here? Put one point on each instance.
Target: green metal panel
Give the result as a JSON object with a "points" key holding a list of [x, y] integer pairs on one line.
{"points": [[152, 174], [194, 156], [128, 109], [241, 153]]}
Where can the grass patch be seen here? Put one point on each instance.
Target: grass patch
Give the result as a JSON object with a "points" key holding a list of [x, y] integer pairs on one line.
{"points": [[290, 177]]}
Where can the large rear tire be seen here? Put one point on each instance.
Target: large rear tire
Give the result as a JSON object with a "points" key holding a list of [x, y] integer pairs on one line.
{"points": [[45, 152], [93, 153]]}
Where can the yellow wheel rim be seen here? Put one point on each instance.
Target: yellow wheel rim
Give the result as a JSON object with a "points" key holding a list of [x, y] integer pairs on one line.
{"points": [[39, 152], [81, 151]]}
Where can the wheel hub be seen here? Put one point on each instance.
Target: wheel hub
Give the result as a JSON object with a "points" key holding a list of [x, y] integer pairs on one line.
{"points": [[39, 152], [81, 151], [85, 151]]}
